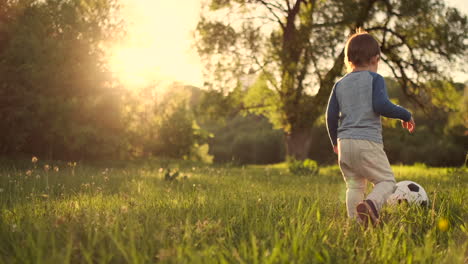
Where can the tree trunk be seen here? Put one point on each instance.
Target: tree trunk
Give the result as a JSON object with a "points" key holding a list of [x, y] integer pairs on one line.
{"points": [[298, 143]]}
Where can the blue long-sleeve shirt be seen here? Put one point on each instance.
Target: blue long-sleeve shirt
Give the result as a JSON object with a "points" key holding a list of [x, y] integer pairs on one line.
{"points": [[356, 103]]}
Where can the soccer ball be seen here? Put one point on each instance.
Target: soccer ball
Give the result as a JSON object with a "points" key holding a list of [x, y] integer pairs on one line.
{"points": [[409, 192]]}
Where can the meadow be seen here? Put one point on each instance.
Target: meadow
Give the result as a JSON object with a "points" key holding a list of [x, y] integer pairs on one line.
{"points": [[64, 212]]}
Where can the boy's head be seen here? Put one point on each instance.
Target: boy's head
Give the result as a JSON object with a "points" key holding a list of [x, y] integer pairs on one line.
{"points": [[360, 50]]}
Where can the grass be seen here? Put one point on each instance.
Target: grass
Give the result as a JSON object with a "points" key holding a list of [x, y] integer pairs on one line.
{"points": [[216, 214]]}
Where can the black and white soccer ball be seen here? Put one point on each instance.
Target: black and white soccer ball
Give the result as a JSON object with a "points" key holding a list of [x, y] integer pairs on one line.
{"points": [[409, 192]]}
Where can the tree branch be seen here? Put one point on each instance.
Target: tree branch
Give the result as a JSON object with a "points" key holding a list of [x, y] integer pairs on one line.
{"points": [[390, 8], [403, 80], [326, 83], [270, 6], [267, 75]]}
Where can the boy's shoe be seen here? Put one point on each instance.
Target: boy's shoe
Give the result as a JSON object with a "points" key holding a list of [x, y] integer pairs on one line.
{"points": [[366, 210]]}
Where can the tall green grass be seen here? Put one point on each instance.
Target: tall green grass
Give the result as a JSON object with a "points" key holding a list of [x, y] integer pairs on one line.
{"points": [[215, 214]]}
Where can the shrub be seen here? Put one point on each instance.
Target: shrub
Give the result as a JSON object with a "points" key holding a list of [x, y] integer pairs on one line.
{"points": [[305, 167]]}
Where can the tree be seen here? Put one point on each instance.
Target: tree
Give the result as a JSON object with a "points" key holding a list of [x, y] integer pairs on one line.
{"points": [[297, 50], [55, 97]]}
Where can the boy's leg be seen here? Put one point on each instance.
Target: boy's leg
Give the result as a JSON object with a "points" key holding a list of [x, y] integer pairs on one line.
{"points": [[355, 183], [376, 168]]}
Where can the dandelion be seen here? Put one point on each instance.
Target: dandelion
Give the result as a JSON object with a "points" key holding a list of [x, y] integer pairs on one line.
{"points": [[28, 172], [56, 168], [443, 224], [46, 167], [34, 159]]}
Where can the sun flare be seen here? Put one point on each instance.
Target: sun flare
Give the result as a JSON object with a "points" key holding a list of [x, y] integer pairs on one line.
{"points": [[133, 66], [158, 45]]}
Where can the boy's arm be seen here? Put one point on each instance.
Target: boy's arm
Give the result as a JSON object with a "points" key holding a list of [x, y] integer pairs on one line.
{"points": [[332, 116], [382, 105]]}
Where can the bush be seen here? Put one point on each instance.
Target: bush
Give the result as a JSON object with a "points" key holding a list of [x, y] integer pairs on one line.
{"points": [[306, 167]]}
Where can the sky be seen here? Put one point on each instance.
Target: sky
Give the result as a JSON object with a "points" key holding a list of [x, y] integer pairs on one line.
{"points": [[159, 43]]}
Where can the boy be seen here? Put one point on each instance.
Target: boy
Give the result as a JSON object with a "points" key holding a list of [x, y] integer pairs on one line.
{"points": [[353, 122]]}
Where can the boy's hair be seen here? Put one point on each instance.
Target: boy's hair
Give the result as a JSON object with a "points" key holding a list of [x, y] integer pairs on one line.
{"points": [[360, 48]]}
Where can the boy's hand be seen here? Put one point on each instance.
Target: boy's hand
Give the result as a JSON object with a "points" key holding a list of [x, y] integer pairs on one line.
{"points": [[335, 149], [410, 125]]}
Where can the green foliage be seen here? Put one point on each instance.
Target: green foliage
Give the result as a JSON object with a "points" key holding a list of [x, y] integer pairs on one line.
{"points": [[305, 167], [261, 100], [164, 125], [54, 91], [201, 153], [219, 215], [215, 106], [439, 139], [175, 133], [246, 140]]}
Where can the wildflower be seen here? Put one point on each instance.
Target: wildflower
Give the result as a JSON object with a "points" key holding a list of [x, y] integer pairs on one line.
{"points": [[28, 172], [124, 209], [56, 168], [46, 167], [443, 224], [34, 159]]}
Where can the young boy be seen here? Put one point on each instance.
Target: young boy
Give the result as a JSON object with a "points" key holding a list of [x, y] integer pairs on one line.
{"points": [[353, 122]]}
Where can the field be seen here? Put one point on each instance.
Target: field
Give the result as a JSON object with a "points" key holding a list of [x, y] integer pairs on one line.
{"points": [[74, 213]]}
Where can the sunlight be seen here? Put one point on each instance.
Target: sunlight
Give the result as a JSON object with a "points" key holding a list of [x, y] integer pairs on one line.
{"points": [[133, 66], [158, 45]]}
